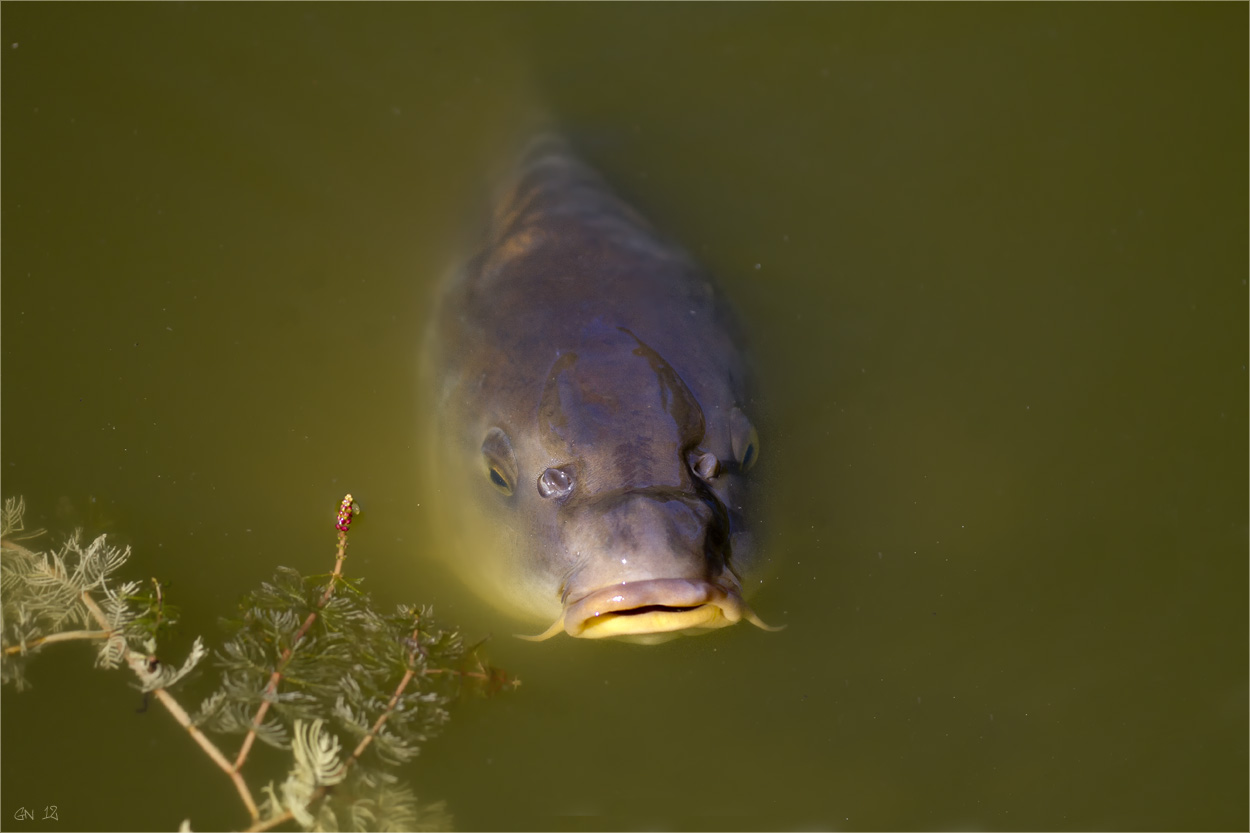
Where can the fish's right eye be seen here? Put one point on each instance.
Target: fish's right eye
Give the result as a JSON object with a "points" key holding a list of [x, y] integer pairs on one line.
{"points": [[500, 461]]}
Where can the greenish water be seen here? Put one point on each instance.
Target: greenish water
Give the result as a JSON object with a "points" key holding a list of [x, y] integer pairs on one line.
{"points": [[994, 260]]}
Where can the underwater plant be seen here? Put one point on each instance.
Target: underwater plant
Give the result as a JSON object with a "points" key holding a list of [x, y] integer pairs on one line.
{"points": [[308, 666]]}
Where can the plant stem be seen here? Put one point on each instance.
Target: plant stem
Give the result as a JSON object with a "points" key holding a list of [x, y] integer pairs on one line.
{"points": [[179, 714], [270, 824], [63, 636], [399, 691], [272, 688], [321, 792]]}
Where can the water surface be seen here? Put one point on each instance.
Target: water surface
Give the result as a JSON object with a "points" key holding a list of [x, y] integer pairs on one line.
{"points": [[994, 263]]}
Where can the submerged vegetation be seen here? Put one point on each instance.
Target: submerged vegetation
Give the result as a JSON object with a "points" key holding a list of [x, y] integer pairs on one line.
{"points": [[309, 666]]}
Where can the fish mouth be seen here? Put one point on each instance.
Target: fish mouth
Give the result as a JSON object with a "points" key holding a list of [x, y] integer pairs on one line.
{"points": [[654, 606]]}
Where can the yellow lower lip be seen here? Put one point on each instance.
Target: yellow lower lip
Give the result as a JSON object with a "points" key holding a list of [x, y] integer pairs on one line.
{"points": [[651, 611], [703, 617]]}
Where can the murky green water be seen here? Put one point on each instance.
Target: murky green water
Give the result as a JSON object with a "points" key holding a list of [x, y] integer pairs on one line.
{"points": [[995, 262]]}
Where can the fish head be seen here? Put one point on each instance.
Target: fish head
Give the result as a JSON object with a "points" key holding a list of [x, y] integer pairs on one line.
{"points": [[619, 500]]}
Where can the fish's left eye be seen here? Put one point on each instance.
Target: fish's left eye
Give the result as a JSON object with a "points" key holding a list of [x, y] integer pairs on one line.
{"points": [[555, 483], [745, 439]]}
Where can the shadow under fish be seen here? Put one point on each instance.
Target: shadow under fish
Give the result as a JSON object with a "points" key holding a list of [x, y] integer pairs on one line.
{"points": [[592, 439]]}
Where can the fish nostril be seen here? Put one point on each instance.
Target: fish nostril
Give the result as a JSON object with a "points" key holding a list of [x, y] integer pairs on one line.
{"points": [[705, 465], [555, 483]]}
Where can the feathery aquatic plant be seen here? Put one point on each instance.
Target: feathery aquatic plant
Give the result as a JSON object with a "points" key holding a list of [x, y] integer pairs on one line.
{"points": [[309, 666]]}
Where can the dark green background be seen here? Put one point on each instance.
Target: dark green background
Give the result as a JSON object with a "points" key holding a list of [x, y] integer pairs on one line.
{"points": [[994, 261]]}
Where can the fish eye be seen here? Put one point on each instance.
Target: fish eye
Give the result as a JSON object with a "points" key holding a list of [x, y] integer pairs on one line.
{"points": [[556, 483], [746, 442], [748, 453], [500, 461]]}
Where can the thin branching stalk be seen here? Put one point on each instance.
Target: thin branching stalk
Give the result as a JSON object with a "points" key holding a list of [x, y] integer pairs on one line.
{"points": [[180, 714], [62, 636], [270, 824], [399, 691], [344, 521], [167, 700], [321, 792]]}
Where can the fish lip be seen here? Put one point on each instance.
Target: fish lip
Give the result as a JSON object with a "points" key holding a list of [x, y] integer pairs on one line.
{"points": [[653, 606]]}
